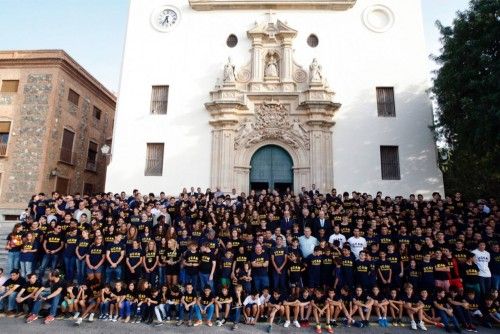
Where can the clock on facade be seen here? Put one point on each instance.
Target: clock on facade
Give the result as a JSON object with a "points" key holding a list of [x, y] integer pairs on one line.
{"points": [[165, 18]]}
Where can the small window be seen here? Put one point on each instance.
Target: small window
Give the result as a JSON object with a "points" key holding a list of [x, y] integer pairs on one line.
{"points": [[62, 185], [312, 40], [67, 146], [9, 86], [88, 189], [389, 158], [159, 100], [154, 159], [97, 113], [73, 97], [232, 41], [4, 137], [385, 102]]}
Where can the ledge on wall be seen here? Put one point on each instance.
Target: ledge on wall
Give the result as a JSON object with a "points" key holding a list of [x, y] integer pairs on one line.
{"points": [[272, 4]]}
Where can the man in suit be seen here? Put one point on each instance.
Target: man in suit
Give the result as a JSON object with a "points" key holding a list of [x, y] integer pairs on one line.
{"points": [[321, 223], [286, 223], [313, 191]]}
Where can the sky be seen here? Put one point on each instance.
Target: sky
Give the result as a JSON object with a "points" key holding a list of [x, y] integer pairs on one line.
{"points": [[93, 31]]}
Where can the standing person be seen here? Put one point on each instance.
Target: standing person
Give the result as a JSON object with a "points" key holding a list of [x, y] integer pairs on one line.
{"points": [[114, 255], [357, 243], [28, 252], [50, 294], [191, 264], [150, 264], [207, 267], [260, 263], [279, 256], [172, 263], [82, 249], [133, 261], [13, 246], [495, 265], [470, 274], [441, 271], [95, 259], [482, 260], [52, 245], [307, 242], [69, 253]]}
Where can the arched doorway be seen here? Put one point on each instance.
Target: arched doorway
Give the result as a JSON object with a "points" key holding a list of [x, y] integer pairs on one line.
{"points": [[271, 167]]}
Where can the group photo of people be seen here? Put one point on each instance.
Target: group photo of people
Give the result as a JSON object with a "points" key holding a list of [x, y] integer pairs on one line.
{"points": [[291, 259]]}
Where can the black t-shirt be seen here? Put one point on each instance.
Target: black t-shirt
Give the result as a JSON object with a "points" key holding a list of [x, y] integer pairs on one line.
{"points": [[279, 254], [194, 258], [115, 251], [384, 267], [29, 287], [470, 273], [440, 275], [83, 246], [223, 298], [54, 241], [295, 271], [259, 271], [205, 300], [150, 258], [143, 295], [206, 262], [189, 297], [276, 301], [56, 285], [319, 301], [10, 283], [96, 254], [134, 256]]}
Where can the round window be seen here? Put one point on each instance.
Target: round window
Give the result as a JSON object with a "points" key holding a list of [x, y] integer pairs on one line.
{"points": [[232, 40], [312, 41]]}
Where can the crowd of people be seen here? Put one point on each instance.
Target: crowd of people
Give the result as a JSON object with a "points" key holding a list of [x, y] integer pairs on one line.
{"points": [[286, 259]]}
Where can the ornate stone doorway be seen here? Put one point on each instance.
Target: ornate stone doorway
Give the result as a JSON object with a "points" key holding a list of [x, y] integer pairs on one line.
{"points": [[271, 167], [272, 101]]}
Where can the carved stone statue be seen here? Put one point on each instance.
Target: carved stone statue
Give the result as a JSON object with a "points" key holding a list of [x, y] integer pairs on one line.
{"points": [[272, 67], [229, 72], [315, 71]]}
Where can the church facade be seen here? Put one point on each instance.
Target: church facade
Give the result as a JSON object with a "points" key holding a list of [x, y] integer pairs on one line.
{"points": [[274, 94]]}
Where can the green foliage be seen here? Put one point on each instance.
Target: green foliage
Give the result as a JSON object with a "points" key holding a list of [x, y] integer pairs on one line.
{"points": [[467, 91]]}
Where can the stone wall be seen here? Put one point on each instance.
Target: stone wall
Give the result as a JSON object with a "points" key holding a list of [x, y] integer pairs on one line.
{"points": [[27, 145]]}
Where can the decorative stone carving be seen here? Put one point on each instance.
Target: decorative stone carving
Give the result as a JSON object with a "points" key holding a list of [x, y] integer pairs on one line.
{"points": [[300, 75], [229, 72], [271, 67], [315, 72], [271, 122], [244, 75]]}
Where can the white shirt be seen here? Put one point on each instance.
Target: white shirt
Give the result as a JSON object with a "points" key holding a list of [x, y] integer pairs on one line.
{"points": [[483, 258], [307, 245], [251, 301], [357, 245], [340, 237]]}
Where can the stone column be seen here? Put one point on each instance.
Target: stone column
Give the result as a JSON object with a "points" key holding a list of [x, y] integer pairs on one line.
{"points": [[257, 68], [287, 61]]}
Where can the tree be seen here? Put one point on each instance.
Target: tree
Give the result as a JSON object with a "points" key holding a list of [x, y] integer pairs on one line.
{"points": [[467, 92]]}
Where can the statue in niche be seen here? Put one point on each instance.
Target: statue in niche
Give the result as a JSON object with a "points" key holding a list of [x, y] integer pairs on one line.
{"points": [[315, 71], [272, 67], [229, 72]]}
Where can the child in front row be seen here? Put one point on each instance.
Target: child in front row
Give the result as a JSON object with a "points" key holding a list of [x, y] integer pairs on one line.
{"points": [[321, 308], [251, 308], [222, 305]]}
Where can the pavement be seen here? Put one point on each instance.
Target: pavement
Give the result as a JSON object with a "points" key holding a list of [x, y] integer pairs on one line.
{"points": [[18, 326]]}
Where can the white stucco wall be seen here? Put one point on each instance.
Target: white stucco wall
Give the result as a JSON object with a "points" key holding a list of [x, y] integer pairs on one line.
{"points": [[355, 60]]}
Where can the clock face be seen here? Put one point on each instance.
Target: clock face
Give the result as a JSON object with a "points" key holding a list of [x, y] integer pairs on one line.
{"points": [[165, 18]]}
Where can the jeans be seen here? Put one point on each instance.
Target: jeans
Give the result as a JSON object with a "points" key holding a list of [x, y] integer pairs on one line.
{"points": [[127, 308], [190, 312], [161, 275], [113, 273], [12, 261], [81, 269], [496, 282], [54, 303], [260, 282], [279, 282], [485, 285], [104, 307], [205, 280], [51, 259], [26, 268], [160, 312], [172, 307], [11, 301], [193, 279], [237, 315], [209, 312], [69, 267], [446, 319]]}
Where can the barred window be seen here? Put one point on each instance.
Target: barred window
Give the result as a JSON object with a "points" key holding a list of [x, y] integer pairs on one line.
{"points": [[385, 102], [92, 157], [389, 159], [159, 100], [4, 137], [62, 185], [97, 113], [154, 159], [67, 146]]}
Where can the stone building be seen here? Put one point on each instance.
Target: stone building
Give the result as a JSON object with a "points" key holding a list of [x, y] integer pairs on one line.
{"points": [[54, 118], [324, 92]]}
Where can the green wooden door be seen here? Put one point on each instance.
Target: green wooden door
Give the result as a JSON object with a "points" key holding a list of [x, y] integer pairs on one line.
{"points": [[271, 167]]}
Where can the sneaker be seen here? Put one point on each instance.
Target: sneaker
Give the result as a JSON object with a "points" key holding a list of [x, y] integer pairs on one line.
{"points": [[31, 318], [394, 322], [209, 323], [101, 316], [318, 329], [91, 317], [178, 323], [401, 323], [218, 323], [76, 315], [287, 324], [296, 324], [329, 329], [11, 314], [78, 321], [366, 323], [106, 317], [413, 325], [197, 323], [269, 328], [48, 320], [421, 325], [334, 323], [158, 323], [472, 328], [115, 318], [223, 321], [234, 327]]}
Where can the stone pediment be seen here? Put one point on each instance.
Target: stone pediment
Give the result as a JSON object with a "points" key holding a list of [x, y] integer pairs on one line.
{"points": [[272, 30], [271, 4]]}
